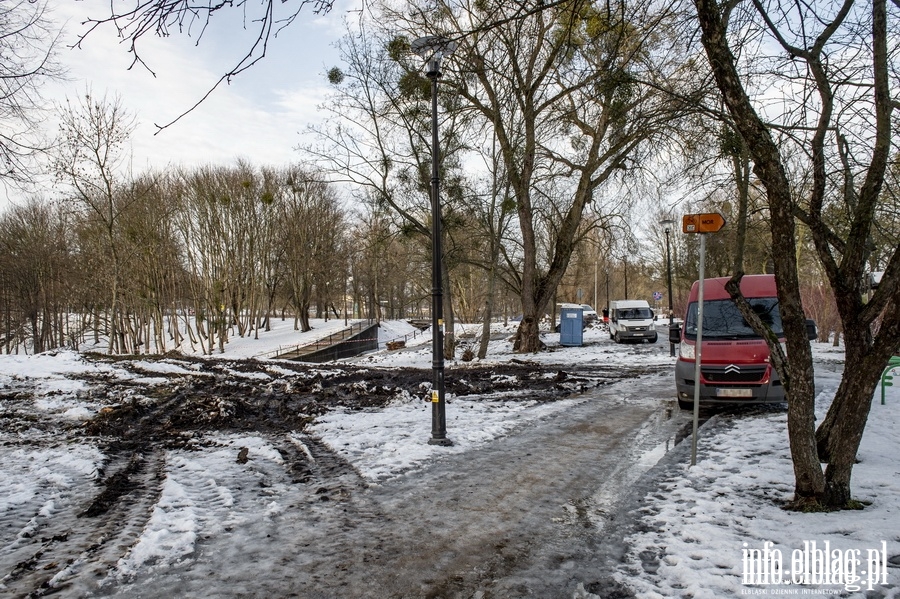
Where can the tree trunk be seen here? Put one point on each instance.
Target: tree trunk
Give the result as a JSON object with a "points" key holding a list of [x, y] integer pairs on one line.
{"points": [[841, 437], [489, 303], [840, 433], [113, 345], [528, 337], [449, 317], [797, 376], [37, 342], [303, 316]]}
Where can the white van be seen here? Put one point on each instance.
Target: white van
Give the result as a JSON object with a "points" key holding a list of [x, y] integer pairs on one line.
{"points": [[631, 320]]}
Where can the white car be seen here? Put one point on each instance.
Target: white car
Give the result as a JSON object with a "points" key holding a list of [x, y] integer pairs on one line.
{"points": [[588, 315]]}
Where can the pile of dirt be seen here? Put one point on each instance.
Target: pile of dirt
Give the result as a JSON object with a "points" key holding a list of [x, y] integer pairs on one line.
{"points": [[250, 395]]}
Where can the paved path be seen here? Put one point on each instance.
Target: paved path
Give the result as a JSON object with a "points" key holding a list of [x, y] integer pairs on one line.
{"points": [[524, 516]]}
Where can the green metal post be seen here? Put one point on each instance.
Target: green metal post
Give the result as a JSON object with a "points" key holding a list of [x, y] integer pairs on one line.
{"points": [[888, 380]]}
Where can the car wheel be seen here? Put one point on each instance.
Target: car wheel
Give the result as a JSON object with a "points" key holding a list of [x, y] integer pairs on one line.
{"points": [[655, 339], [686, 405], [617, 339]]}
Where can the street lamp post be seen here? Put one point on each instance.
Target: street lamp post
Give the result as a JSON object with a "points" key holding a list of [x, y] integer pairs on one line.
{"points": [[668, 224], [432, 48], [347, 282], [607, 290]]}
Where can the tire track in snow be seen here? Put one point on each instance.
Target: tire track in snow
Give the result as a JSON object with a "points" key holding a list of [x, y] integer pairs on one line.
{"points": [[292, 491], [75, 547]]}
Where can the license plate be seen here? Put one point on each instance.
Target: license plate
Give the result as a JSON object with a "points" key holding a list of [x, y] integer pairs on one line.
{"points": [[731, 392]]}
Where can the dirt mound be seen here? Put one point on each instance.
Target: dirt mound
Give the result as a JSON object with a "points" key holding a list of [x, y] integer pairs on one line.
{"points": [[249, 395]]}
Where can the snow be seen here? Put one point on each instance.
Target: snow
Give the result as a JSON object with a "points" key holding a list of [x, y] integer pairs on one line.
{"points": [[383, 444], [693, 527], [703, 517]]}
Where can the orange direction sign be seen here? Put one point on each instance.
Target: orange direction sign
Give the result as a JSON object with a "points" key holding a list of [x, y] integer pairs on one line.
{"points": [[702, 223]]}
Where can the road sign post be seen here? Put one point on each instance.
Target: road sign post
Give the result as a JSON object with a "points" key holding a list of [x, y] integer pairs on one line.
{"points": [[710, 222]]}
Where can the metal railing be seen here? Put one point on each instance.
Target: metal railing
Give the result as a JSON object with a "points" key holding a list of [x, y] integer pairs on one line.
{"points": [[323, 342]]}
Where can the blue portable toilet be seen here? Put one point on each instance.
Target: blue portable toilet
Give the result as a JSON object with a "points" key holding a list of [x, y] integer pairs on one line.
{"points": [[571, 323]]}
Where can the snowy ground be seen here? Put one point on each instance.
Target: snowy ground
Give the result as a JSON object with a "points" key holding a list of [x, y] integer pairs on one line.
{"points": [[693, 530], [703, 520]]}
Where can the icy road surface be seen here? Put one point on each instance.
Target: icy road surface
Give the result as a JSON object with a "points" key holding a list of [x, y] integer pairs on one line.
{"points": [[144, 485]]}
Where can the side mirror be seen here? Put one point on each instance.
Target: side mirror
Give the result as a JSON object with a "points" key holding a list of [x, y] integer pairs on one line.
{"points": [[674, 333], [812, 332]]}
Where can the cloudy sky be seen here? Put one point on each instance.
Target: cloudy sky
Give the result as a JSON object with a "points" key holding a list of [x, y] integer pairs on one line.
{"points": [[261, 115]]}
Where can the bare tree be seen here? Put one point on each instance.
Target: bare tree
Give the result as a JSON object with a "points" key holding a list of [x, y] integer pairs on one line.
{"points": [[837, 132], [387, 262], [28, 43], [310, 233], [560, 91], [380, 141], [90, 157], [494, 217], [225, 221], [154, 285], [38, 277]]}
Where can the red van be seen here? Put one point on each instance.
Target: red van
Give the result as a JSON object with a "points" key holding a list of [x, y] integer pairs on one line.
{"points": [[735, 366]]}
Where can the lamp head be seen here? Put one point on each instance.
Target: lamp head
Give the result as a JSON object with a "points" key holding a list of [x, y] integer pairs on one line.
{"points": [[433, 48]]}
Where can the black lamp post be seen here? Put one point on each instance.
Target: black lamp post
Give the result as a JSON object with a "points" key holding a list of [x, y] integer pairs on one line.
{"points": [[432, 48], [607, 290], [346, 293], [668, 224]]}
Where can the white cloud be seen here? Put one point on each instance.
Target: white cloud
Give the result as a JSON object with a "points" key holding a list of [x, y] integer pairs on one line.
{"points": [[259, 115], [262, 115]]}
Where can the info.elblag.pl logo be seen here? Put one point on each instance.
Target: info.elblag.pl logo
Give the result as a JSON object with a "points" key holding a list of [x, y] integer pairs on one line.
{"points": [[817, 564]]}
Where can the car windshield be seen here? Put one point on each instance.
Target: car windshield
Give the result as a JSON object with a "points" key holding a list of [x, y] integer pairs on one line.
{"points": [[722, 320], [633, 314]]}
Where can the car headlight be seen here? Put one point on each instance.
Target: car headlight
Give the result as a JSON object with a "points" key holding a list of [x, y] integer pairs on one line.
{"points": [[686, 350], [652, 326]]}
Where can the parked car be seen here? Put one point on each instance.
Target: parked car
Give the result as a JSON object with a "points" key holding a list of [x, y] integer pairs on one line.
{"points": [[735, 365], [588, 315]]}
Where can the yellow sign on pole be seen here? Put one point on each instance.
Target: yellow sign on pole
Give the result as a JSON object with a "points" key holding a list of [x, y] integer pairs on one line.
{"points": [[709, 222]]}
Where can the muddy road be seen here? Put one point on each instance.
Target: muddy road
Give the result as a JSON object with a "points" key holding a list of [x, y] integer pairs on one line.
{"points": [[173, 508]]}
